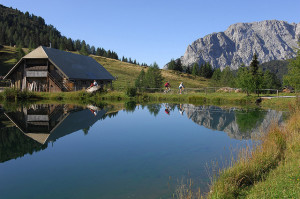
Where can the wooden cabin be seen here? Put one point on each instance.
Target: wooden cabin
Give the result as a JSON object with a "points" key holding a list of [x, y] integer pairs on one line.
{"points": [[51, 70]]}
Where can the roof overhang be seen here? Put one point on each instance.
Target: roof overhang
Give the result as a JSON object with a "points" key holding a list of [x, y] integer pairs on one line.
{"points": [[13, 68]]}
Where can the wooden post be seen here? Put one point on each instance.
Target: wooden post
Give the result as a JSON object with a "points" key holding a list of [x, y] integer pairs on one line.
{"points": [[277, 94]]}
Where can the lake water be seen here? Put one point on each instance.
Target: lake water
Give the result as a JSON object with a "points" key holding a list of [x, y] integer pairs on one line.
{"points": [[119, 151]]}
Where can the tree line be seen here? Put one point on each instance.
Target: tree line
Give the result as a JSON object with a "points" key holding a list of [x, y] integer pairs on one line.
{"points": [[152, 78], [251, 78], [131, 61], [26, 30]]}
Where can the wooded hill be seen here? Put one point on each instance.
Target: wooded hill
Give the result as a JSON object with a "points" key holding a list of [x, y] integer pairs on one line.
{"points": [[278, 67], [26, 30]]}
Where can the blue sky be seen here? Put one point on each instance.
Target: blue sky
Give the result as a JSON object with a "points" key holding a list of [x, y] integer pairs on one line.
{"points": [[153, 30]]}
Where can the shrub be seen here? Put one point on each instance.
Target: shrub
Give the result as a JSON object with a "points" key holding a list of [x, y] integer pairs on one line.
{"points": [[10, 93], [131, 91]]}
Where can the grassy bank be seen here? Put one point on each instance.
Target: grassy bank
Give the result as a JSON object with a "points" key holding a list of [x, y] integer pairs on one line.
{"points": [[269, 171], [200, 98], [230, 99]]}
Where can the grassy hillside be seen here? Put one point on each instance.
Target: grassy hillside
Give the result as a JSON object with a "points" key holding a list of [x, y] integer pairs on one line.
{"points": [[8, 58], [127, 73]]}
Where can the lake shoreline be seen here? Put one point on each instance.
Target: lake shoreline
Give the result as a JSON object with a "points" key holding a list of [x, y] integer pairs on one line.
{"points": [[81, 97], [269, 171], [262, 167]]}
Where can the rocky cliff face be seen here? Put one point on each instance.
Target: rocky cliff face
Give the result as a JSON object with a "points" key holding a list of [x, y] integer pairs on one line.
{"points": [[271, 40]]}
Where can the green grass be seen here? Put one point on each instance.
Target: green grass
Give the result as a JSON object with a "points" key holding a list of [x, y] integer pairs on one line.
{"points": [[127, 73], [278, 103], [272, 170], [284, 181], [221, 99], [8, 58], [201, 98]]}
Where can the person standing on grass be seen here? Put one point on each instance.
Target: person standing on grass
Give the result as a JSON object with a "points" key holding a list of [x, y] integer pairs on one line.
{"points": [[181, 87]]}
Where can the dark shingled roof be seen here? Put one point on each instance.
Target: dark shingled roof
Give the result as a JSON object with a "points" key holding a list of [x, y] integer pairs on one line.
{"points": [[74, 66]]}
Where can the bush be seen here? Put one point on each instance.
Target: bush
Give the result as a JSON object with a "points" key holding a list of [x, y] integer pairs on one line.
{"points": [[131, 91], [13, 94], [10, 93]]}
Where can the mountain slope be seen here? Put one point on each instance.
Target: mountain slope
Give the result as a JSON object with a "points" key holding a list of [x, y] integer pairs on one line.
{"points": [[270, 39], [30, 31]]}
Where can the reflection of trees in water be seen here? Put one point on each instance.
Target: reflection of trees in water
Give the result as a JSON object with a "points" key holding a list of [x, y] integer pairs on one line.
{"points": [[249, 119], [113, 114], [86, 130], [172, 106], [14, 144], [154, 108], [130, 106]]}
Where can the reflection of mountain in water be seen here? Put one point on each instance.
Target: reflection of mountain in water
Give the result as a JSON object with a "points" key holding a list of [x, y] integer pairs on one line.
{"points": [[236, 123], [43, 123]]}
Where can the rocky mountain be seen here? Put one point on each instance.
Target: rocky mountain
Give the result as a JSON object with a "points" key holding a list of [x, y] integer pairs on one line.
{"points": [[270, 39], [238, 124]]}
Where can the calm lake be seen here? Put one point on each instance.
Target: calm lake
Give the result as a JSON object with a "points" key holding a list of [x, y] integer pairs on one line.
{"points": [[119, 151]]}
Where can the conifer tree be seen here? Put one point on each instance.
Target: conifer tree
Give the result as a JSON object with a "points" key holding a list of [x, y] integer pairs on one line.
{"points": [[216, 77], [227, 77], [292, 78], [178, 65], [172, 65], [256, 74], [195, 70], [83, 49], [244, 79], [140, 81]]}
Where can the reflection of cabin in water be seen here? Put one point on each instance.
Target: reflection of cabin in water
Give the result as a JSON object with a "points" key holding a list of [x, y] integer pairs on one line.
{"points": [[49, 69], [45, 123]]}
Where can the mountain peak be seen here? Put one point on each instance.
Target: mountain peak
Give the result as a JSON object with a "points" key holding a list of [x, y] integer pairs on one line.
{"points": [[269, 39]]}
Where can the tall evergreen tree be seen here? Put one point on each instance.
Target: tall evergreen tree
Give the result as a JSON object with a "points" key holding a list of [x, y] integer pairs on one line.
{"points": [[83, 49], [153, 77], [292, 78], [93, 51], [178, 65], [227, 77], [216, 77], [206, 70], [270, 80], [244, 79], [256, 74], [188, 70], [77, 45], [140, 81], [172, 65], [195, 70]]}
